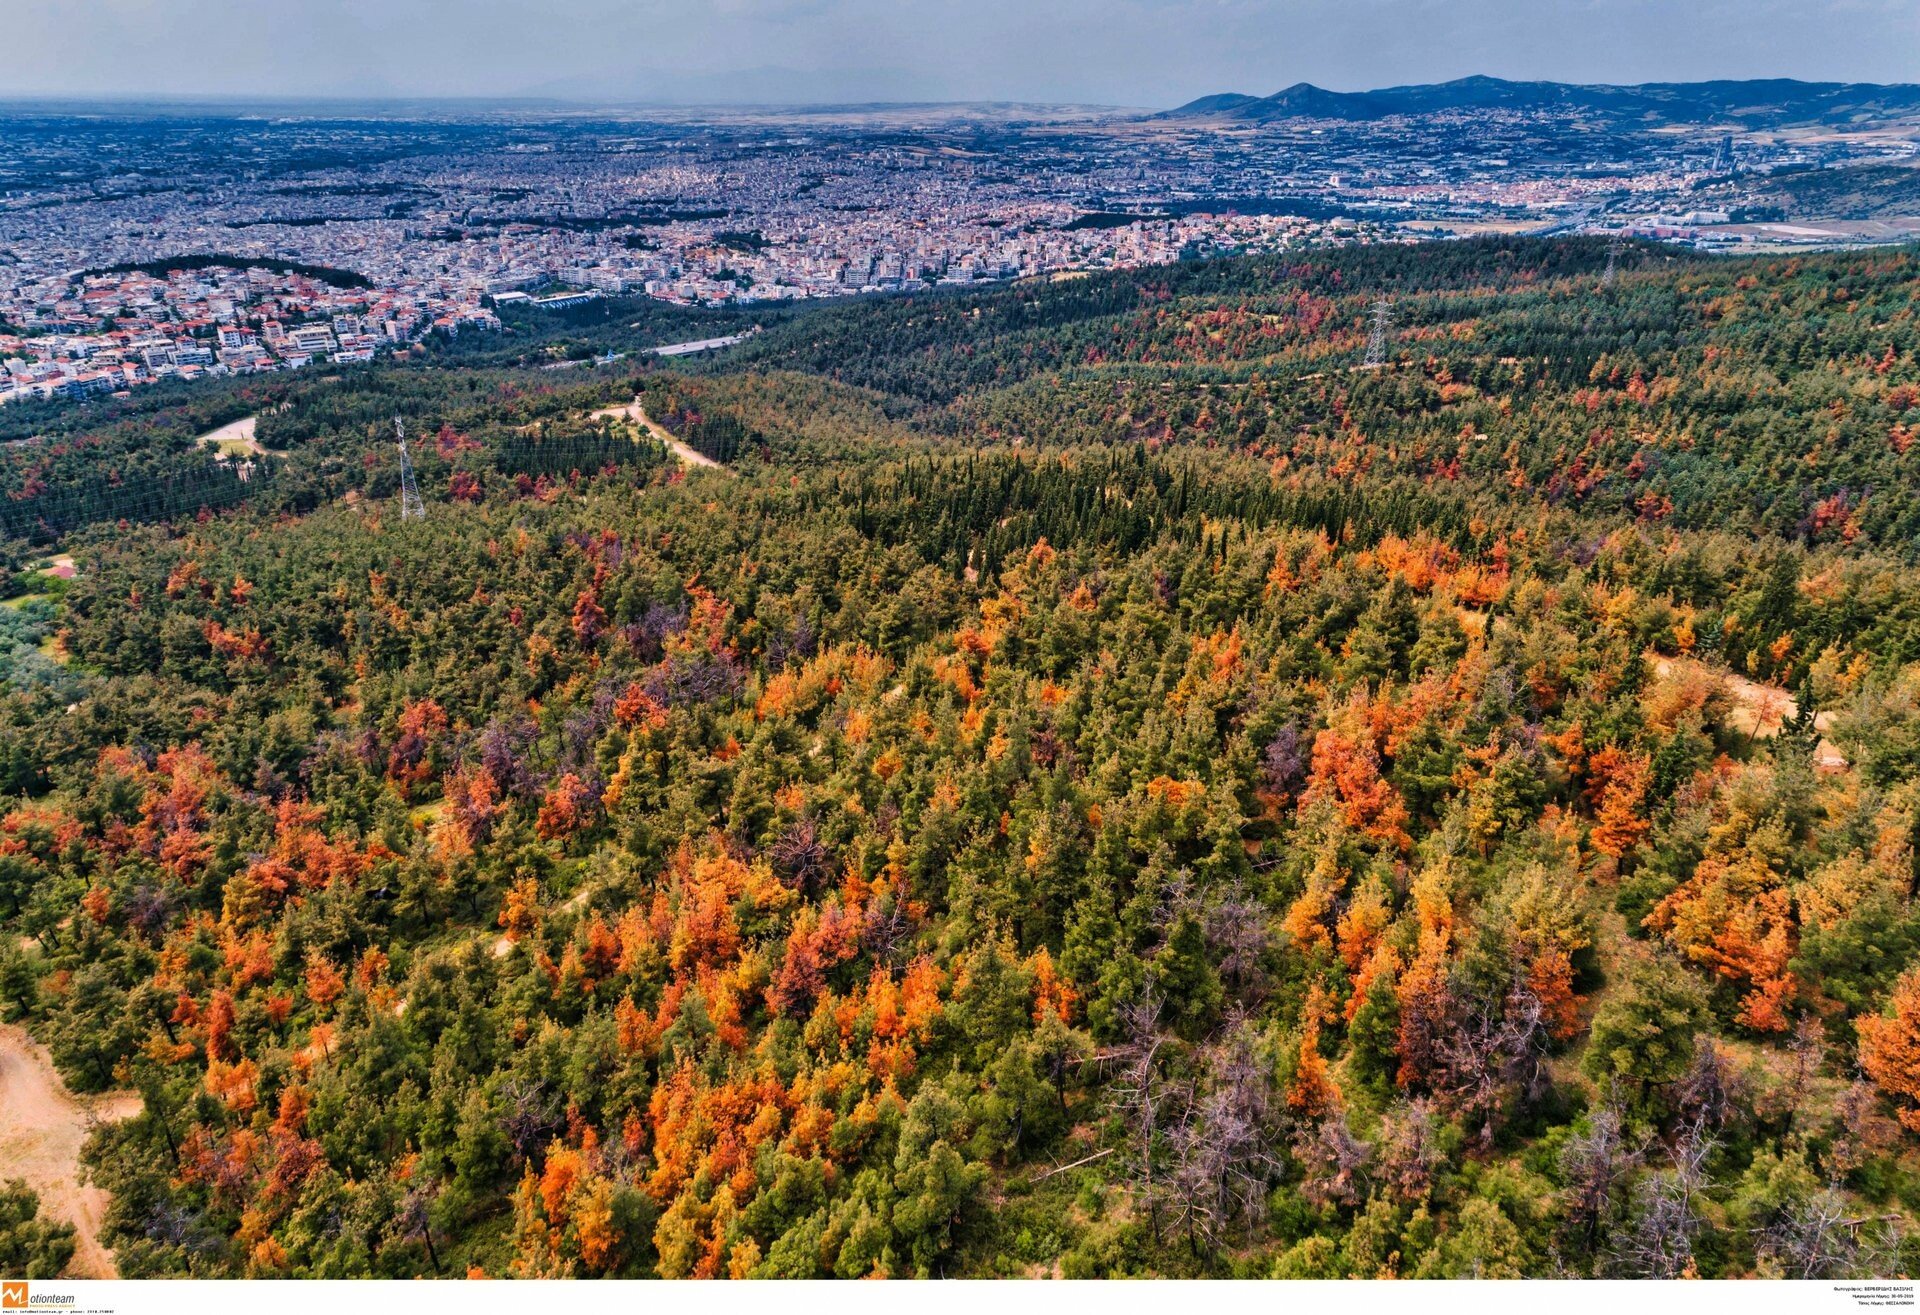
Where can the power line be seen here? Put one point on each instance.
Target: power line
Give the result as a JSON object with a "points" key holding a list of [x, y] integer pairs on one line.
{"points": [[221, 485], [1377, 339], [411, 507], [141, 498]]}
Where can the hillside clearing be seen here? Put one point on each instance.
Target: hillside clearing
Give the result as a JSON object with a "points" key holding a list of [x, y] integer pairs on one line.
{"points": [[42, 1128]]}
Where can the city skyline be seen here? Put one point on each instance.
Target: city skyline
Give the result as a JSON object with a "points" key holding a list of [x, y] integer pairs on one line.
{"points": [[1144, 53]]}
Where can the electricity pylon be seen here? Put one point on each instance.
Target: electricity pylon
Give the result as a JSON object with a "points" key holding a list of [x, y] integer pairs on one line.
{"points": [[1613, 262], [411, 508], [1377, 340]]}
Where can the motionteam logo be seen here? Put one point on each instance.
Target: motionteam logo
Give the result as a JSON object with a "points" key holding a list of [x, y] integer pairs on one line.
{"points": [[15, 1296]]}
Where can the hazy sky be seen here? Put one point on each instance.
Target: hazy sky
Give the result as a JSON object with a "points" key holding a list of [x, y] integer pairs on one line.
{"points": [[1126, 52]]}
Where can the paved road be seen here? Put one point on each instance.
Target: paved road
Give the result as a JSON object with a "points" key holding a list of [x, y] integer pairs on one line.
{"points": [[703, 345]]}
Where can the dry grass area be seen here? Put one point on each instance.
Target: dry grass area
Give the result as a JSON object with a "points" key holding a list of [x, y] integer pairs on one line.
{"points": [[42, 1128]]}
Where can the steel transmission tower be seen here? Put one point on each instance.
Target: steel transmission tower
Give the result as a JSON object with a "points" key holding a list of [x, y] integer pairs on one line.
{"points": [[411, 508], [1614, 248], [1377, 339]]}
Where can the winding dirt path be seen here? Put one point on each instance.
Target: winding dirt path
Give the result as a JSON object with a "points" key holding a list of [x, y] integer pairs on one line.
{"points": [[639, 417], [42, 1128]]}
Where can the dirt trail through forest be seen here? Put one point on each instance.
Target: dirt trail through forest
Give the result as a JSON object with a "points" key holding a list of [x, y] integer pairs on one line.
{"points": [[42, 1128], [639, 417]]}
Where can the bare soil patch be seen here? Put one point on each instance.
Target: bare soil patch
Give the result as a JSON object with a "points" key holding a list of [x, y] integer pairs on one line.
{"points": [[42, 1128], [634, 413]]}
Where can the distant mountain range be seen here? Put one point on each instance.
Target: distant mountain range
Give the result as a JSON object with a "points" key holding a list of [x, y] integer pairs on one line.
{"points": [[1754, 103]]}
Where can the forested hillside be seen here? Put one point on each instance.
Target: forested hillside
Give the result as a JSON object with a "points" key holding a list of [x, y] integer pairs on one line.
{"points": [[1096, 783]]}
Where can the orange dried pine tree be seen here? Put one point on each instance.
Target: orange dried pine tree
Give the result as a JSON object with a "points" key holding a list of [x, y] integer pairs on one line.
{"points": [[1890, 1049]]}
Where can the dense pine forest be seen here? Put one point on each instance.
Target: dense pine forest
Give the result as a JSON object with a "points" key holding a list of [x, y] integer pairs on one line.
{"points": [[1095, 782]]}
